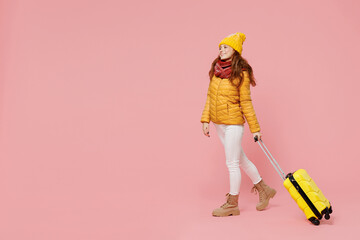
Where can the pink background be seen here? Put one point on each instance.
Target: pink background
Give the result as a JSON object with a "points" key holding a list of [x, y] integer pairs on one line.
{"points": [[100, 117]]}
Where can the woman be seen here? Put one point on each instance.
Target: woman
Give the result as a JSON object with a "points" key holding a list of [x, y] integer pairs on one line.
{"points": [[228, 104]]}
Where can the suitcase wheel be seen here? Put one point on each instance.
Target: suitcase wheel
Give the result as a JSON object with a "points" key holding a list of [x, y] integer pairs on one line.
{"points": [[327, 212], [314, 221]]}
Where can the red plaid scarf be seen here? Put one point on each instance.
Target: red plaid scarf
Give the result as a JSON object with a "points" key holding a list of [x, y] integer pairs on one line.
{"points": [[222, 69]]}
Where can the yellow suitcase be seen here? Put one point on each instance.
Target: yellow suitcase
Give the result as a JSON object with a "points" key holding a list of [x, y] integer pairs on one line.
{"points": [[303, 190]]}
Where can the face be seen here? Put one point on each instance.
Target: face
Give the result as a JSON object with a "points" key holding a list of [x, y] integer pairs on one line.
{"points": [[225, 51]]}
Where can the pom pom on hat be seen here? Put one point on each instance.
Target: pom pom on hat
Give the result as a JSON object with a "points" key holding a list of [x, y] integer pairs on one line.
{"points": [[235, 41]]}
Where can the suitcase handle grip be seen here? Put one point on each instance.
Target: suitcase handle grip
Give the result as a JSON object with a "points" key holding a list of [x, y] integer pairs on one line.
{"points": [[271, 158]]}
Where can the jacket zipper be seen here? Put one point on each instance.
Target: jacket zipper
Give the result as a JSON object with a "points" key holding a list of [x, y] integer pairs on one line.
{"points": [[216, 101]]}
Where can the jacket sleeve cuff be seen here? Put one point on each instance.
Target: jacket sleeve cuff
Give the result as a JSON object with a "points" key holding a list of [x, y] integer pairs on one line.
{"points": [[255, 129]]}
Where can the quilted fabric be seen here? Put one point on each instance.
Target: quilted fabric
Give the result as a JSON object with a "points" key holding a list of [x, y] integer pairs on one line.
{"points": [[227, 104]]}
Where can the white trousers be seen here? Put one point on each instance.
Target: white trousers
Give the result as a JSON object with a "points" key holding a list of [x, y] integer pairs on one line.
{"points": [[231, 136]]}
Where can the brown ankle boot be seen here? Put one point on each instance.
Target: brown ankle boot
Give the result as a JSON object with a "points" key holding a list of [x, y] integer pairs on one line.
{"points": [[229, 208], [265, 193]]}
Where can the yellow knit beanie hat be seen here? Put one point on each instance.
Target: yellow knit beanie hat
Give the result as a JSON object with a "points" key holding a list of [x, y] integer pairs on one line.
{"points": [[235, 41]]}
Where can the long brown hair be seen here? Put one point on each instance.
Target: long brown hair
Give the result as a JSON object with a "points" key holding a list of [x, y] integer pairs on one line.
{"points": [[238, 63]]}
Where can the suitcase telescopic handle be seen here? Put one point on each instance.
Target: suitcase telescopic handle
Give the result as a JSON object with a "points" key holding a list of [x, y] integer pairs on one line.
{"points": [[271, 158]]}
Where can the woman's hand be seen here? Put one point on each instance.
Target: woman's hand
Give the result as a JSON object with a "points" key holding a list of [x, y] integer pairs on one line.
{"points": [[206, 129], [258, 134]]}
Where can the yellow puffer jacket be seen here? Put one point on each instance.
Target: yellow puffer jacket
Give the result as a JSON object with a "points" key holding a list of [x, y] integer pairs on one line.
{"points": [[227, 104]]}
